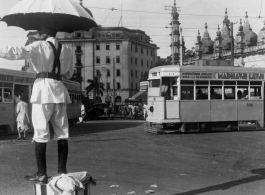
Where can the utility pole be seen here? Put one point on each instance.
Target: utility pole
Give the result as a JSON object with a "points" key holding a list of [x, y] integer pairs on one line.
{"points": [[113, 85], [232, 42], [175, 41]]}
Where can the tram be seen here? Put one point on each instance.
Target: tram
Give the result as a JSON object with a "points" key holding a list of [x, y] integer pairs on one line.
{"points": [[11, 80], [208, 95]]}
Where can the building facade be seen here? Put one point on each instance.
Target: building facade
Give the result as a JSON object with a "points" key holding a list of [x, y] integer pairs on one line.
{"points": [[248, 47]]}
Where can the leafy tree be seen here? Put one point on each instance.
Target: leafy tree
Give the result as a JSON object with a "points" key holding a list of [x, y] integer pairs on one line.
{"points": [[95, 85]]}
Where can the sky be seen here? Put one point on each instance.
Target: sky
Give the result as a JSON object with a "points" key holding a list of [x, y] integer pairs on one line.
{"points": [[153, 18]]}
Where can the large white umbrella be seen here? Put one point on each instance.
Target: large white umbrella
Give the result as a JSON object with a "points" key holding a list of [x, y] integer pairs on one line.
{"points": [[64, 15]]}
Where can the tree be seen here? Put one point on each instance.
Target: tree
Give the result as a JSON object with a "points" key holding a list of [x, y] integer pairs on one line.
{"points": [[96, 85]]}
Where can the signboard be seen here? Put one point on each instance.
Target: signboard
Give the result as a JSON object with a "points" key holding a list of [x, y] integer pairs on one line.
{"points": [[16, 79], [222, 76]]}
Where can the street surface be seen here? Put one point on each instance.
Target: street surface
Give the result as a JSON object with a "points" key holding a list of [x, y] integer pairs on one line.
{"points": [[121, 153]]}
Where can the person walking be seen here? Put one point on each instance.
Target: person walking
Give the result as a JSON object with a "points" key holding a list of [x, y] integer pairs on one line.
{"points": [[51, 61], [22, 116]]}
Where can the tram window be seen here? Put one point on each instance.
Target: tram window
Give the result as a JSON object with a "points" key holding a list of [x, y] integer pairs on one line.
{"points": [[216, 92], [187, 93], [255, 93], [155, 83], [202, 82], [242, 82], [242, 92], [216, 82], [229, 92], [8, 96], [201, 93], [255, 83], [229, 82], [187, 82]]}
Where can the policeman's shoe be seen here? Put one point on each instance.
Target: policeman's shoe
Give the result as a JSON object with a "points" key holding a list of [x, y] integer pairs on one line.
{"points": [[37, 178]]}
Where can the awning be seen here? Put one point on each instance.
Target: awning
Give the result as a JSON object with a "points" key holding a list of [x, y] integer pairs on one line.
{"points": [[141, 95]]}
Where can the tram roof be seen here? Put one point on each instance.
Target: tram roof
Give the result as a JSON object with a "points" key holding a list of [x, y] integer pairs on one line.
{"points": [[177, 68]]}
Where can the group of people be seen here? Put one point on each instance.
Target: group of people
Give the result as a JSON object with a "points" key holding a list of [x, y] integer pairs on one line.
{"points": [[134, 111]]}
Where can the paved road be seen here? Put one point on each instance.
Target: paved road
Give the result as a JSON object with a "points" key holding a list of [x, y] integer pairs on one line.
{"points": [[121, 153]]}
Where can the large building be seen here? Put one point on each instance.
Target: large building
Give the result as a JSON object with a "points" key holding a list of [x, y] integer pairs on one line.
{"points": [[117, 56], [248, 51]]}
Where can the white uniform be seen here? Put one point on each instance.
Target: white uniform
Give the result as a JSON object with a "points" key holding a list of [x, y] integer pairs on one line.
{"points": [[49, 96]]}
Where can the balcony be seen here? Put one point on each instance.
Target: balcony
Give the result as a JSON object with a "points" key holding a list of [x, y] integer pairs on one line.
{"points": [[78, 52]]}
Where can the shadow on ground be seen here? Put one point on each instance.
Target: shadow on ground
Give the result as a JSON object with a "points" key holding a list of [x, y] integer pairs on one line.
{"points": [[90, 128], [259, 175]]}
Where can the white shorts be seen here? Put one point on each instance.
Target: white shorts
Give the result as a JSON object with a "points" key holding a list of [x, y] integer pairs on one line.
{"points": [[42, 114]]}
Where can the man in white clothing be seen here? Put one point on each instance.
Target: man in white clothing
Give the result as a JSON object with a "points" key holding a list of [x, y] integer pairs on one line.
{"points": [[51, 61]]}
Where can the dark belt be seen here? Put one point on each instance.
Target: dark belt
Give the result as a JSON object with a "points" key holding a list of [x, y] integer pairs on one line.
{"points": [[49, 75]]}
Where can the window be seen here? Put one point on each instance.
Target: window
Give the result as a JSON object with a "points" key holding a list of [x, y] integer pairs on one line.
{"points": [[136, 49], [98, 73], [8, 95], [135, 61], [255, 92], [107, 60], [78, 34], [147, 51], [151, 63], [147, 63], [108, 73], [142, 50], [216, 92], [201, 92], [118, 72], [131, 47], [107, 46], [242, 92], [136, 86], [118, 59], [151, 52], [142, 62], [117, 46], [98, 60], [136, 74], [131, 60], [229, 92], [131, 73], [1, 96], [187, 92], [97, 46], [108, 86], [118, 85], [154, 83]]}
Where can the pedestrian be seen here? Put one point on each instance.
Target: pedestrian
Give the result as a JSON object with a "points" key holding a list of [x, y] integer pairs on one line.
{"points": [[51, 61], [83, 113], [145, 109], [22, 115]]}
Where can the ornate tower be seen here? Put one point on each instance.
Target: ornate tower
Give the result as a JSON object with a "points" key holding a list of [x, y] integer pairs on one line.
{"points": [[175, 34], [226, 42], [207, 43], [218, 44]]}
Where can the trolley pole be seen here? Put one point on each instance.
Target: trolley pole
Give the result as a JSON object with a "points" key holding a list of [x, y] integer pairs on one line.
{"points": [[113, 109]]}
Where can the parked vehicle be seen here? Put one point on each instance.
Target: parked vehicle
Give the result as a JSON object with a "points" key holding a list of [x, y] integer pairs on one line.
{"points": [[99, 111]]}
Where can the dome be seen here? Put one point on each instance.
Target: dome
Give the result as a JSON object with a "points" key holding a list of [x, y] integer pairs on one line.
{"points": [[226, 20], [261, 35], [250, 37], [207, 43]]}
